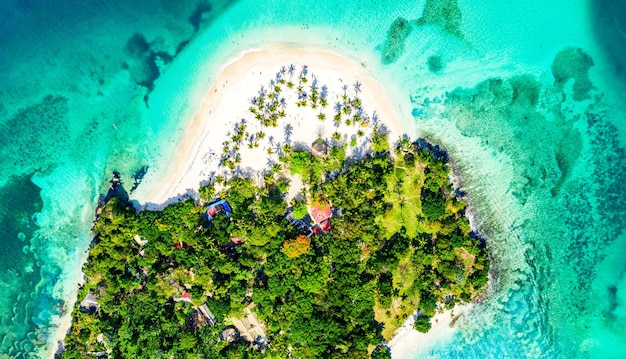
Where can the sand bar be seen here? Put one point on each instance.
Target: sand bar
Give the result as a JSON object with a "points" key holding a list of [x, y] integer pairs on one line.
{"points": [[227, 102]]}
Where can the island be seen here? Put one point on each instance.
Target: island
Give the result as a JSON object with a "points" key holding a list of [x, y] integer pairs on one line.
{"points": [[323, 253]]}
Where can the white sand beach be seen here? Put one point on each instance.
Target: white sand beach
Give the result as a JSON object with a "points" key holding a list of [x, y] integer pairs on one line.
{"points": [[226, 104], [407, 341]]}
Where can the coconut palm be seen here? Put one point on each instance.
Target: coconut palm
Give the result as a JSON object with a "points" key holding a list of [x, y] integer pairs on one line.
{"points": [[338, 106], [283, 103], [305, 71], [345, 89], [254, 101], [283, 70], [374, 118]]}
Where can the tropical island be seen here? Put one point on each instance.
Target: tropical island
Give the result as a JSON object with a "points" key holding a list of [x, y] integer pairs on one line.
{"points": [[325, 253]]}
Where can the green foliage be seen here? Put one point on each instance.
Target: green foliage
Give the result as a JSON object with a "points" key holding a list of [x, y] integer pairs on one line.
{"points": [[206, 193], [300, 210], [433, 206], [395, 242], [379, 141], [381, 352], [300, 162], [422, 324]]}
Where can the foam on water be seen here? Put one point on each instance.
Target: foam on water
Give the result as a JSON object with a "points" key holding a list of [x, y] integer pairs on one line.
{"points": [[541, 161]]}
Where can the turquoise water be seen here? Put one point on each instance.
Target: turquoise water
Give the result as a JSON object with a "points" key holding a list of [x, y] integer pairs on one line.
{"points": [[526, 96]]}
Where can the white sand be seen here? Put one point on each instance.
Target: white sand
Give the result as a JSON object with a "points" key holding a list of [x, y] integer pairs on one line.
{"points": [[408, 342], [196, 159]]}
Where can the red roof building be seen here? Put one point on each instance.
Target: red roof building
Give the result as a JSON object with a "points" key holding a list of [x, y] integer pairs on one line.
{"points": [[321, 216]]}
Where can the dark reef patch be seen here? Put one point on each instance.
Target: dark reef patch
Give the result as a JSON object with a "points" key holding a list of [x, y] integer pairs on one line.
{"points": [[142, 63], [35, 135], [443, 13], [525, 90], [595, 212], [609, 18], [21, 200], [506, 115], [198, 17], [573, 63], [435, 63], [393, 47]]}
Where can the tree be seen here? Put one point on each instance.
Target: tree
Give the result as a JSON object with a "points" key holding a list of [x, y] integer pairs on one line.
{"points": [[381, 352], [379, 141], [297, 247], [300, 210], [300, 162], [422, 324]]}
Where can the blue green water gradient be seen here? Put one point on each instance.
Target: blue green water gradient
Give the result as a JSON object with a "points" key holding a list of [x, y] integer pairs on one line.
{"points": [[527, 97]]}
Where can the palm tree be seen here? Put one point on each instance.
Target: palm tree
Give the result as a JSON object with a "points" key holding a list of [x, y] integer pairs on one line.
{"points": [[283, 103], [357, 88], [374, 118], [305, 71], [345, 89], [338, 106]]}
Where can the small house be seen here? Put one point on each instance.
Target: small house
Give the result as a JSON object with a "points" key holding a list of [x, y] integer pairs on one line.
{"points": [[321, 216], [229, 334], [89, 304], [319, 148], [217, 207]]}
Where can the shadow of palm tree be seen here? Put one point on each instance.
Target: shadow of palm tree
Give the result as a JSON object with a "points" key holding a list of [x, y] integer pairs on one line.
{"points": [[288, 132]]}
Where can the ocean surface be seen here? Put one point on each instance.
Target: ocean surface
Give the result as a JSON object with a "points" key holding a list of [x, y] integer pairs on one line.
{"points": [[528, 97]]}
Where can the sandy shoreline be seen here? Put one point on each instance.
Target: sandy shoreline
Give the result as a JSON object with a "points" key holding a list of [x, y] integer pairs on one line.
{"points": [[227, 102], [408, 341]]}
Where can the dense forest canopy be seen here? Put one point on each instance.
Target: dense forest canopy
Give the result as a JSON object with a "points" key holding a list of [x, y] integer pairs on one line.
{"points": [[273, 284]]}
